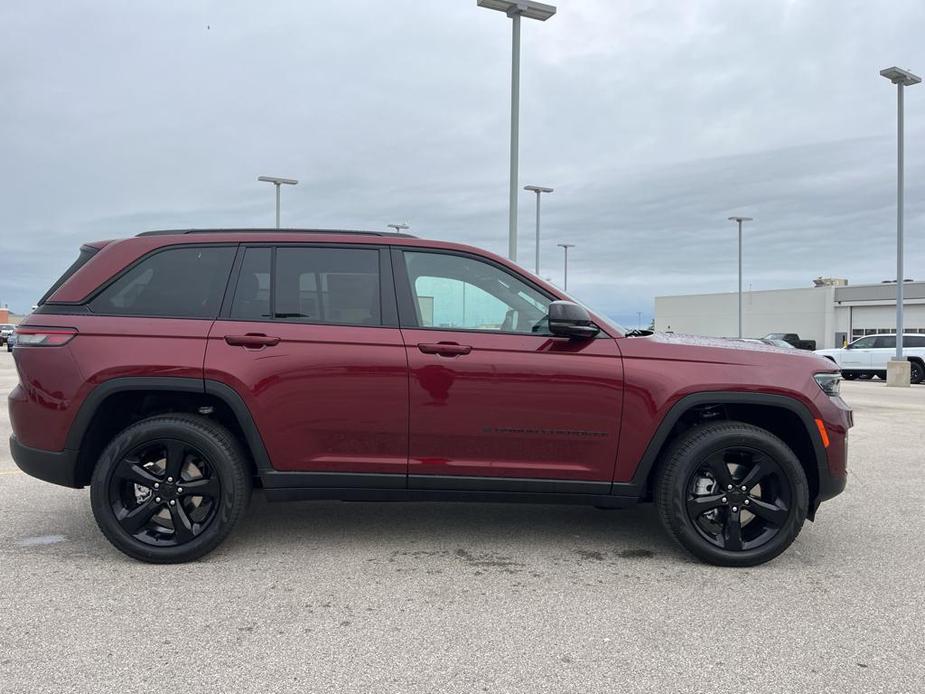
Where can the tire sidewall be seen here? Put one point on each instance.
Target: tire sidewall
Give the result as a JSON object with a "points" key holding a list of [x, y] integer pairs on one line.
{"points": [[222, 454], [686, 458]]}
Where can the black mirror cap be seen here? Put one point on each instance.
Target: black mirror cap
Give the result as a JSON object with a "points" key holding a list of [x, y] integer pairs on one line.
{"points": [[568, 319]]}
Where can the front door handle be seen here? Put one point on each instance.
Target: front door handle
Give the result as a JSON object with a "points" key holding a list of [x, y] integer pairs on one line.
{"points": [[251, 340], [444, 349]]}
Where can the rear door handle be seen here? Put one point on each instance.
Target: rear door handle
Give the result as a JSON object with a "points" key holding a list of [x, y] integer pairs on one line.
{"points": [[444, 349], [251, 340]]}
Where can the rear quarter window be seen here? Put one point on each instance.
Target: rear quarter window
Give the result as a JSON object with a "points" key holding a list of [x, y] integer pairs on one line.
{"points": [[86, 252], [177, 282]]}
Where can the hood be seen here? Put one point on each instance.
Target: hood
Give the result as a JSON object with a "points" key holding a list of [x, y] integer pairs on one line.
{"points": [[718, 350]]}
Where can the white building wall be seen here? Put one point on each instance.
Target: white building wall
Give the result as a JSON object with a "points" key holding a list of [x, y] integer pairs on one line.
{"points": [[808, 311]]}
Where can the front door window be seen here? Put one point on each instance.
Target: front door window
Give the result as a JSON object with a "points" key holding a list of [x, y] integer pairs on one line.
{"points": [[456, 292]]}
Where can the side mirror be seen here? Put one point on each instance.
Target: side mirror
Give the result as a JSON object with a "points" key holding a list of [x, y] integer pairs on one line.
{"points": [[568, 319]]}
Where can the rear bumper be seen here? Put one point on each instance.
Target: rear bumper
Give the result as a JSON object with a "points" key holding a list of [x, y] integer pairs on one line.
{"points": [[57, 467]]}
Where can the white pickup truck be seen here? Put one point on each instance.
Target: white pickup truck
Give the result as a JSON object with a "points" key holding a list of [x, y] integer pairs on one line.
{"points": [[867, 356]]}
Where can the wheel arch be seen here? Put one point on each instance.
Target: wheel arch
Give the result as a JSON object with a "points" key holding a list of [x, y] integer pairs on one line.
{"points": [[786, 417], [118, 402]]}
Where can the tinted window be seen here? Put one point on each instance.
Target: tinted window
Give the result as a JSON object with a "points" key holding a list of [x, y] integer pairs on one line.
{"points": [[180, 282], [86, 252], [885, 342], [461, 293], [252, 293], [327, 285], [914, 341]]}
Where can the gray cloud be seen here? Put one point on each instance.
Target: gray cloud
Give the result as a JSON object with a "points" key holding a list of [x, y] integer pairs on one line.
{"points": [[653, 120]]}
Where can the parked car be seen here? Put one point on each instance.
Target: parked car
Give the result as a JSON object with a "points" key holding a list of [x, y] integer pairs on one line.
{"points": [[868, 356], [793, 339], [6, 329], [174, 371], [11, 342]]}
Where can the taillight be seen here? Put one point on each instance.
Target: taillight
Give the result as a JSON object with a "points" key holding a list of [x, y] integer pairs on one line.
{"points": [[43, 337]]}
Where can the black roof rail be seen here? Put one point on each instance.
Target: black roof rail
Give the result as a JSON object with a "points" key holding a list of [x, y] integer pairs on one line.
{"points": [[170, 232]]}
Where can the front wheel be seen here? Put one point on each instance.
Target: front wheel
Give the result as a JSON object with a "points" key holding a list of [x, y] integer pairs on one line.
{"points": [[170, 488], [732, 494], [849, 375]]}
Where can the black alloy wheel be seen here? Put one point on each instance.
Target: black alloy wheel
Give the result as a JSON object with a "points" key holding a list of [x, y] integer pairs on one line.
{"points": [[918, 372], [738, 498], [170, 488], [164, 492], [731, 493]]}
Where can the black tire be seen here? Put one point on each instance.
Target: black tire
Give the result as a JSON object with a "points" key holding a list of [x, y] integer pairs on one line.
{"points": [[866, 377], [918, 372], [783, 494], [849, 375], [186, 529]]}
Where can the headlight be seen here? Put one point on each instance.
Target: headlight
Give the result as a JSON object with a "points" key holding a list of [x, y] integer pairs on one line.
{"points": [[830, 383]]}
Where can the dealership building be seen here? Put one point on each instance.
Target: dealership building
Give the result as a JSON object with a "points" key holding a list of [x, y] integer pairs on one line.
{"points": [[831, 312]]}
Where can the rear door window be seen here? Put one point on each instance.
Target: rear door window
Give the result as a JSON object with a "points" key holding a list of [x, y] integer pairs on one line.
{"points": [[327, 285], [885, 342], [178, 283]]}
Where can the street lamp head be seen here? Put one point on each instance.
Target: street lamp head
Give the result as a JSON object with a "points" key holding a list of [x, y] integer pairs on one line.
{"points": [[398, 227], [566, 245], [741, 219], [899, 76], [538, 189], [276, 180], [524, 8]]}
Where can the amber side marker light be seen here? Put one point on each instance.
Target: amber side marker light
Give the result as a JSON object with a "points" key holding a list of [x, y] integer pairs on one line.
{"points": [[823, 433], [35, 336]]}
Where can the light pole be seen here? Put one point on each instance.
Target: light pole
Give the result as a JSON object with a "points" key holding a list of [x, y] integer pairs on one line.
{"points": [[565, 247], [901, 78], [515, 9], [276, 181], [739, 220], [398, 227], [539, 190]]}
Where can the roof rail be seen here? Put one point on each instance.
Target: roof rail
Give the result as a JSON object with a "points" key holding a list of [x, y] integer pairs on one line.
{"points": [[169, 232]]}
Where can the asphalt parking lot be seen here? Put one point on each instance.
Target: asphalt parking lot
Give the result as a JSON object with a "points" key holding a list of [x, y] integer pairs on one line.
{"points": [[358, 597]]}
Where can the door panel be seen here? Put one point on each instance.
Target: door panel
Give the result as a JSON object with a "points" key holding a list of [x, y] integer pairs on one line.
{"points": [[514, 406], [857, 355], [884, 350], [492, 394], [316, 353], [325, 398]]}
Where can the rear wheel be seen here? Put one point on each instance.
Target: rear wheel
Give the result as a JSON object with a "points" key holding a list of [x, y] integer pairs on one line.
{"points": [[170, 488], [732, 494], [918, 372]]}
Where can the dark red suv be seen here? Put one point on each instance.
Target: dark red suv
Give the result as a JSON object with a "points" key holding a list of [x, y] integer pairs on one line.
{"points": [[174, 371]]}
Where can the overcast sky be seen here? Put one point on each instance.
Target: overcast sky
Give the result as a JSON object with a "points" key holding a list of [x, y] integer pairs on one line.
{"points": [[654, 121]]}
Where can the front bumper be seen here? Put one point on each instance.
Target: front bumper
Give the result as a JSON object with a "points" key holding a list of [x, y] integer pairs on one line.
{"points": [[57, 467]]}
